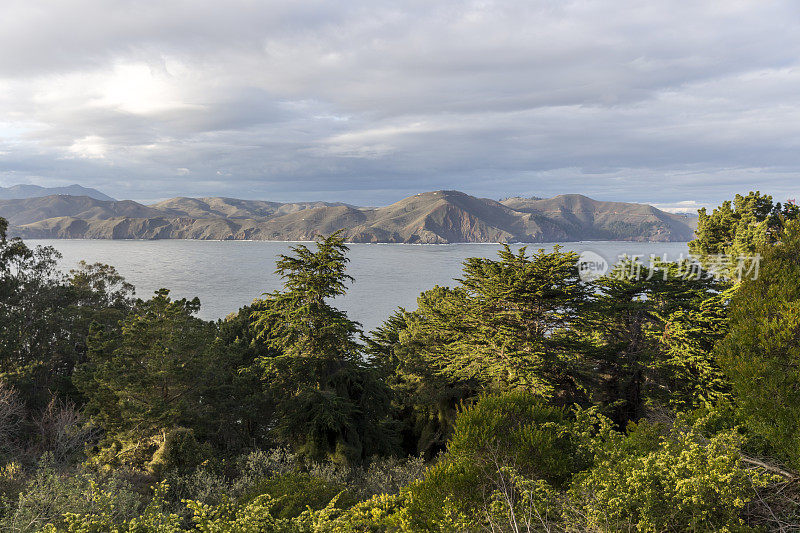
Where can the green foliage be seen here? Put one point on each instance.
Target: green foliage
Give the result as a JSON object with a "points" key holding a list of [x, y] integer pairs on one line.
{"points": [[426, 400], [652, 482], [522, 504], [517, 429], [653, 329], [691, 377], [387, 475], [294, 492], [501, 441], [147, 377], [329, 403], [180, 451], [378, 514], [51, 493], [299, 322], [258, 515], [517, 322], [238, 408], [761, 352], [105, 517], [284, 476], [508, 326], [12, 482], [488, 373], [740, 228], [254, 517], [45, 318]]}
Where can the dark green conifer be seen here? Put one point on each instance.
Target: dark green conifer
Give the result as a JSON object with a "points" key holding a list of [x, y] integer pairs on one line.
{"points": [[329, 402]]}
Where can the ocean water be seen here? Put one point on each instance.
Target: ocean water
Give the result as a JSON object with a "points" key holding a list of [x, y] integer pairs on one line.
{"points": [[226, 275]]}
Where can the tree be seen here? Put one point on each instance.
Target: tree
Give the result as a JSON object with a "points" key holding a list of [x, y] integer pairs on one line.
{"points": [[507, 326], [239, 410], [738, 229], [45, 317], [147, 378], [518, 322], [426, 400], [652, 327], [329, 402], [761, 352], [35, 349]]}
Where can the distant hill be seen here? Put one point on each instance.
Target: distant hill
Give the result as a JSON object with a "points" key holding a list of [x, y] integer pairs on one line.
{"points": [[589, 219], [32, 210], [35, 191], [234, 208], [433, 217]]}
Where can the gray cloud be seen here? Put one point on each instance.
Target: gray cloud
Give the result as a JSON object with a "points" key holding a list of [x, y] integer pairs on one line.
{"points": [[366, 102]]}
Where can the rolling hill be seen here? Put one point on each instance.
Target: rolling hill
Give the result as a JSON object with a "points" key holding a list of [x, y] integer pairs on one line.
{"points": [[18, 192], [585, 219], [436, 217]]}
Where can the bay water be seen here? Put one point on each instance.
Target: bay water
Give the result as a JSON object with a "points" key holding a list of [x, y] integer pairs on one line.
{"points": [[226, 275]]}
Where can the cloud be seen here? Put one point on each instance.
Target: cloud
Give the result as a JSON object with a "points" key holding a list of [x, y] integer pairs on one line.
{"points": [[665, 101], [686, 206]]}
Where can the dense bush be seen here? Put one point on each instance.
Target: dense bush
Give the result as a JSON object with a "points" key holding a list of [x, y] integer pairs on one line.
{"points": [[51, 493], [665, 479], [502, 441], [294, 492], [180, 451]]}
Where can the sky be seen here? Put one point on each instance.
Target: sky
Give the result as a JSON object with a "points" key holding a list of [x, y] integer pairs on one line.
{"points": [[679, 103]]}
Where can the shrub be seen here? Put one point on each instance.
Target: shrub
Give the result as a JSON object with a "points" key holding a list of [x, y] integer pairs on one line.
{"points": [[675, 482], [259, 465], [503, 440], [386, 475], [295, 492], [520, 430], [180, 451], [380, 513], [105, 516], [50, 494], [12, 479]]}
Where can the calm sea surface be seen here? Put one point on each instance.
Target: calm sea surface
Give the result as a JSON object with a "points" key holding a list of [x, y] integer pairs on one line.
{"points": [[226, 275]]}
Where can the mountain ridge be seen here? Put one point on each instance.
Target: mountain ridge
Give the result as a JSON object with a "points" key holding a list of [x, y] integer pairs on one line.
{"points": [[21, 192], [435, 217]]}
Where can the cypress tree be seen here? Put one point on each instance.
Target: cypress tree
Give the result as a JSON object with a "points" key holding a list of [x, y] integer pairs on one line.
{"points": [[329, 402]]}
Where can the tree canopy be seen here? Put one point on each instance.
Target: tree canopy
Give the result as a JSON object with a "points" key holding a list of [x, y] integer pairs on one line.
{"points": [[739, 229]]}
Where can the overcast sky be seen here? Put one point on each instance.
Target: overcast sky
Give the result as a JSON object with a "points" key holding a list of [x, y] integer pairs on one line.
{"points": [[672, 102]]}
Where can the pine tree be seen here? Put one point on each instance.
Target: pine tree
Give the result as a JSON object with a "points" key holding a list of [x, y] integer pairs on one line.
{"points": [[652, 328], [426, 399], [328, 400], [737, 229], [508, 325], [147, 378]]}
